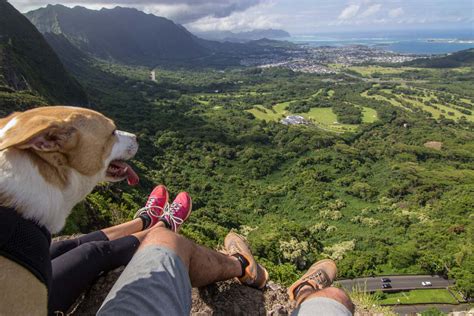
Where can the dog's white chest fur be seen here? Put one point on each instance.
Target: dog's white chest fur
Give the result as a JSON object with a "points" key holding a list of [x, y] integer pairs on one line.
{"points": [[32, 196]]}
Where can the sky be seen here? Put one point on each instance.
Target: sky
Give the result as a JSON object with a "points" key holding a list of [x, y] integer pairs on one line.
{"points": [[294, 16]]}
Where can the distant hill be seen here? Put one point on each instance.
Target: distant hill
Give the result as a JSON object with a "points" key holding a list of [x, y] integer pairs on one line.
{"points": [[228, 36], [121, 34], [29, 68], [459, 59], [133, 37]]}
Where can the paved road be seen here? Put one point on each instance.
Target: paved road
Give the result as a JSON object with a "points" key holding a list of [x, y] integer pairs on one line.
{"points": [[405, 282]]}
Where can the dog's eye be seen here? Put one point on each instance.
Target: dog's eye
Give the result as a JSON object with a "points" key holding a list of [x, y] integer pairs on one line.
{"points": [[113, 133]]}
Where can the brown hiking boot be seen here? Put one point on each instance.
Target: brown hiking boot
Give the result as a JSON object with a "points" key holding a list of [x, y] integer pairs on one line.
{"points": [[255, 275], [319, 276]]}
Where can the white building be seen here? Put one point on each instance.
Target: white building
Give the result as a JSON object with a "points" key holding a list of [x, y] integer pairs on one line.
{"points": [[294, 120], [153, 75]]}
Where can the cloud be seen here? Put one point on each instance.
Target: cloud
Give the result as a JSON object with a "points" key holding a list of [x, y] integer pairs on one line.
{"points": [[349, 12], [373, 9], [395, 13], [256, 18], [181, 11]]}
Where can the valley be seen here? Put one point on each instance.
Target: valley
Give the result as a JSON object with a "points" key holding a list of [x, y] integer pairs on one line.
{"points": [[369, 191], [380, 178]]}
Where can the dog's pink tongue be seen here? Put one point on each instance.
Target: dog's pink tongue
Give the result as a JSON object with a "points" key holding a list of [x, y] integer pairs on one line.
{"points": [[132, 177]]}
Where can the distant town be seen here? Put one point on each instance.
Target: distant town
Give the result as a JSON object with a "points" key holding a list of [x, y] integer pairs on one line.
{"points": [[315, 59]]}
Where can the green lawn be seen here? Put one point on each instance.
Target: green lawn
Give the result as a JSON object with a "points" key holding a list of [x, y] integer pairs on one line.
{"points": [[324, 118], [382, 98], [369, 70], [281, 108], [262, 113], [317, 93], [204, 102], [369, 115], [322, 115], [419, 297], [327, 119], [467, 101], [435, 112]]}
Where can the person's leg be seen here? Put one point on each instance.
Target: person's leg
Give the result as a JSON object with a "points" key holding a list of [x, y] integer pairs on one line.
{"points": [[205, 266], [76, 270], [159, 277], [329, 301], [59, 248], [145, 217], [77, 263]]}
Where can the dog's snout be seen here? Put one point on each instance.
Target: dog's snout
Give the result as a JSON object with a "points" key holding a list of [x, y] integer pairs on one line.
{"points": [[126, 134], [128, 143]]}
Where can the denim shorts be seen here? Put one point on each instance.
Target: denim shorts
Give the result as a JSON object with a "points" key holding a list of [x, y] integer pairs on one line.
{"points": [[155, 282]]}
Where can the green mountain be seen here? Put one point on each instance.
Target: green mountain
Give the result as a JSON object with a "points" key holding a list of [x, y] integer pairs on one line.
{"points": [[132, 37], [121, 34], [30, 71], [464, 58], [228, 36]]}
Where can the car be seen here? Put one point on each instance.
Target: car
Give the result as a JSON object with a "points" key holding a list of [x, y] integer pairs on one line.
{"points": [[426, 283], [384, 280], [386, 286]]}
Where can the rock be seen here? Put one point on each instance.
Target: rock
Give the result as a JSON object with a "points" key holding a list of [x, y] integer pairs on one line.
{"points": [[223, 298]]}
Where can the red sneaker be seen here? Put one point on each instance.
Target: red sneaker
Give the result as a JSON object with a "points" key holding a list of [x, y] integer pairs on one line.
{"points": [[178, 212], [155, 205]]}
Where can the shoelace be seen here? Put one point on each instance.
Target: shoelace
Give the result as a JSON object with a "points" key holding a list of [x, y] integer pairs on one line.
{"points": [[149, 208], [169, 214]]}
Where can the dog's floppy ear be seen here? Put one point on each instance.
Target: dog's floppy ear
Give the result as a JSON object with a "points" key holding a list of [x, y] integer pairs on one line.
{"points": [[40, 133]]}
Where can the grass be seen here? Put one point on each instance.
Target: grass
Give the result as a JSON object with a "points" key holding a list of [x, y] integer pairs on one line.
{"points": [[370, 70], [367, 304], [281, 108], [467, 101], [326, 119], [441, 296], [204, 102], [317, 93], [382, 98], [322, 115], [369, 115], [457, 294], [462, 69], [436, 113], [262, 113]]}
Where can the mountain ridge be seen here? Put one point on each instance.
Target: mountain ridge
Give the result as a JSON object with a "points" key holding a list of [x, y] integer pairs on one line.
{"points": [[463, 58], [148, 40], [29, 65], [122, 34]]}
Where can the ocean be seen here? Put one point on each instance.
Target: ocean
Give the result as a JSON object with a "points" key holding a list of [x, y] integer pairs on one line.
{"points": [[409, 42]]}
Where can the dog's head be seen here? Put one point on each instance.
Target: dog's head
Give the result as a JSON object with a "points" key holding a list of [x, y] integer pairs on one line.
{"points": [[72, 148]]}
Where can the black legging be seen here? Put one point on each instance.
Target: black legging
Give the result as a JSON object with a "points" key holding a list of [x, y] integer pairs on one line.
{"points": [[78, 262]]}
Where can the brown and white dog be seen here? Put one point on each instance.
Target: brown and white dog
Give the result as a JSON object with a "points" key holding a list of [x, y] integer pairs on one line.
{"points": [[50, 159]]}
